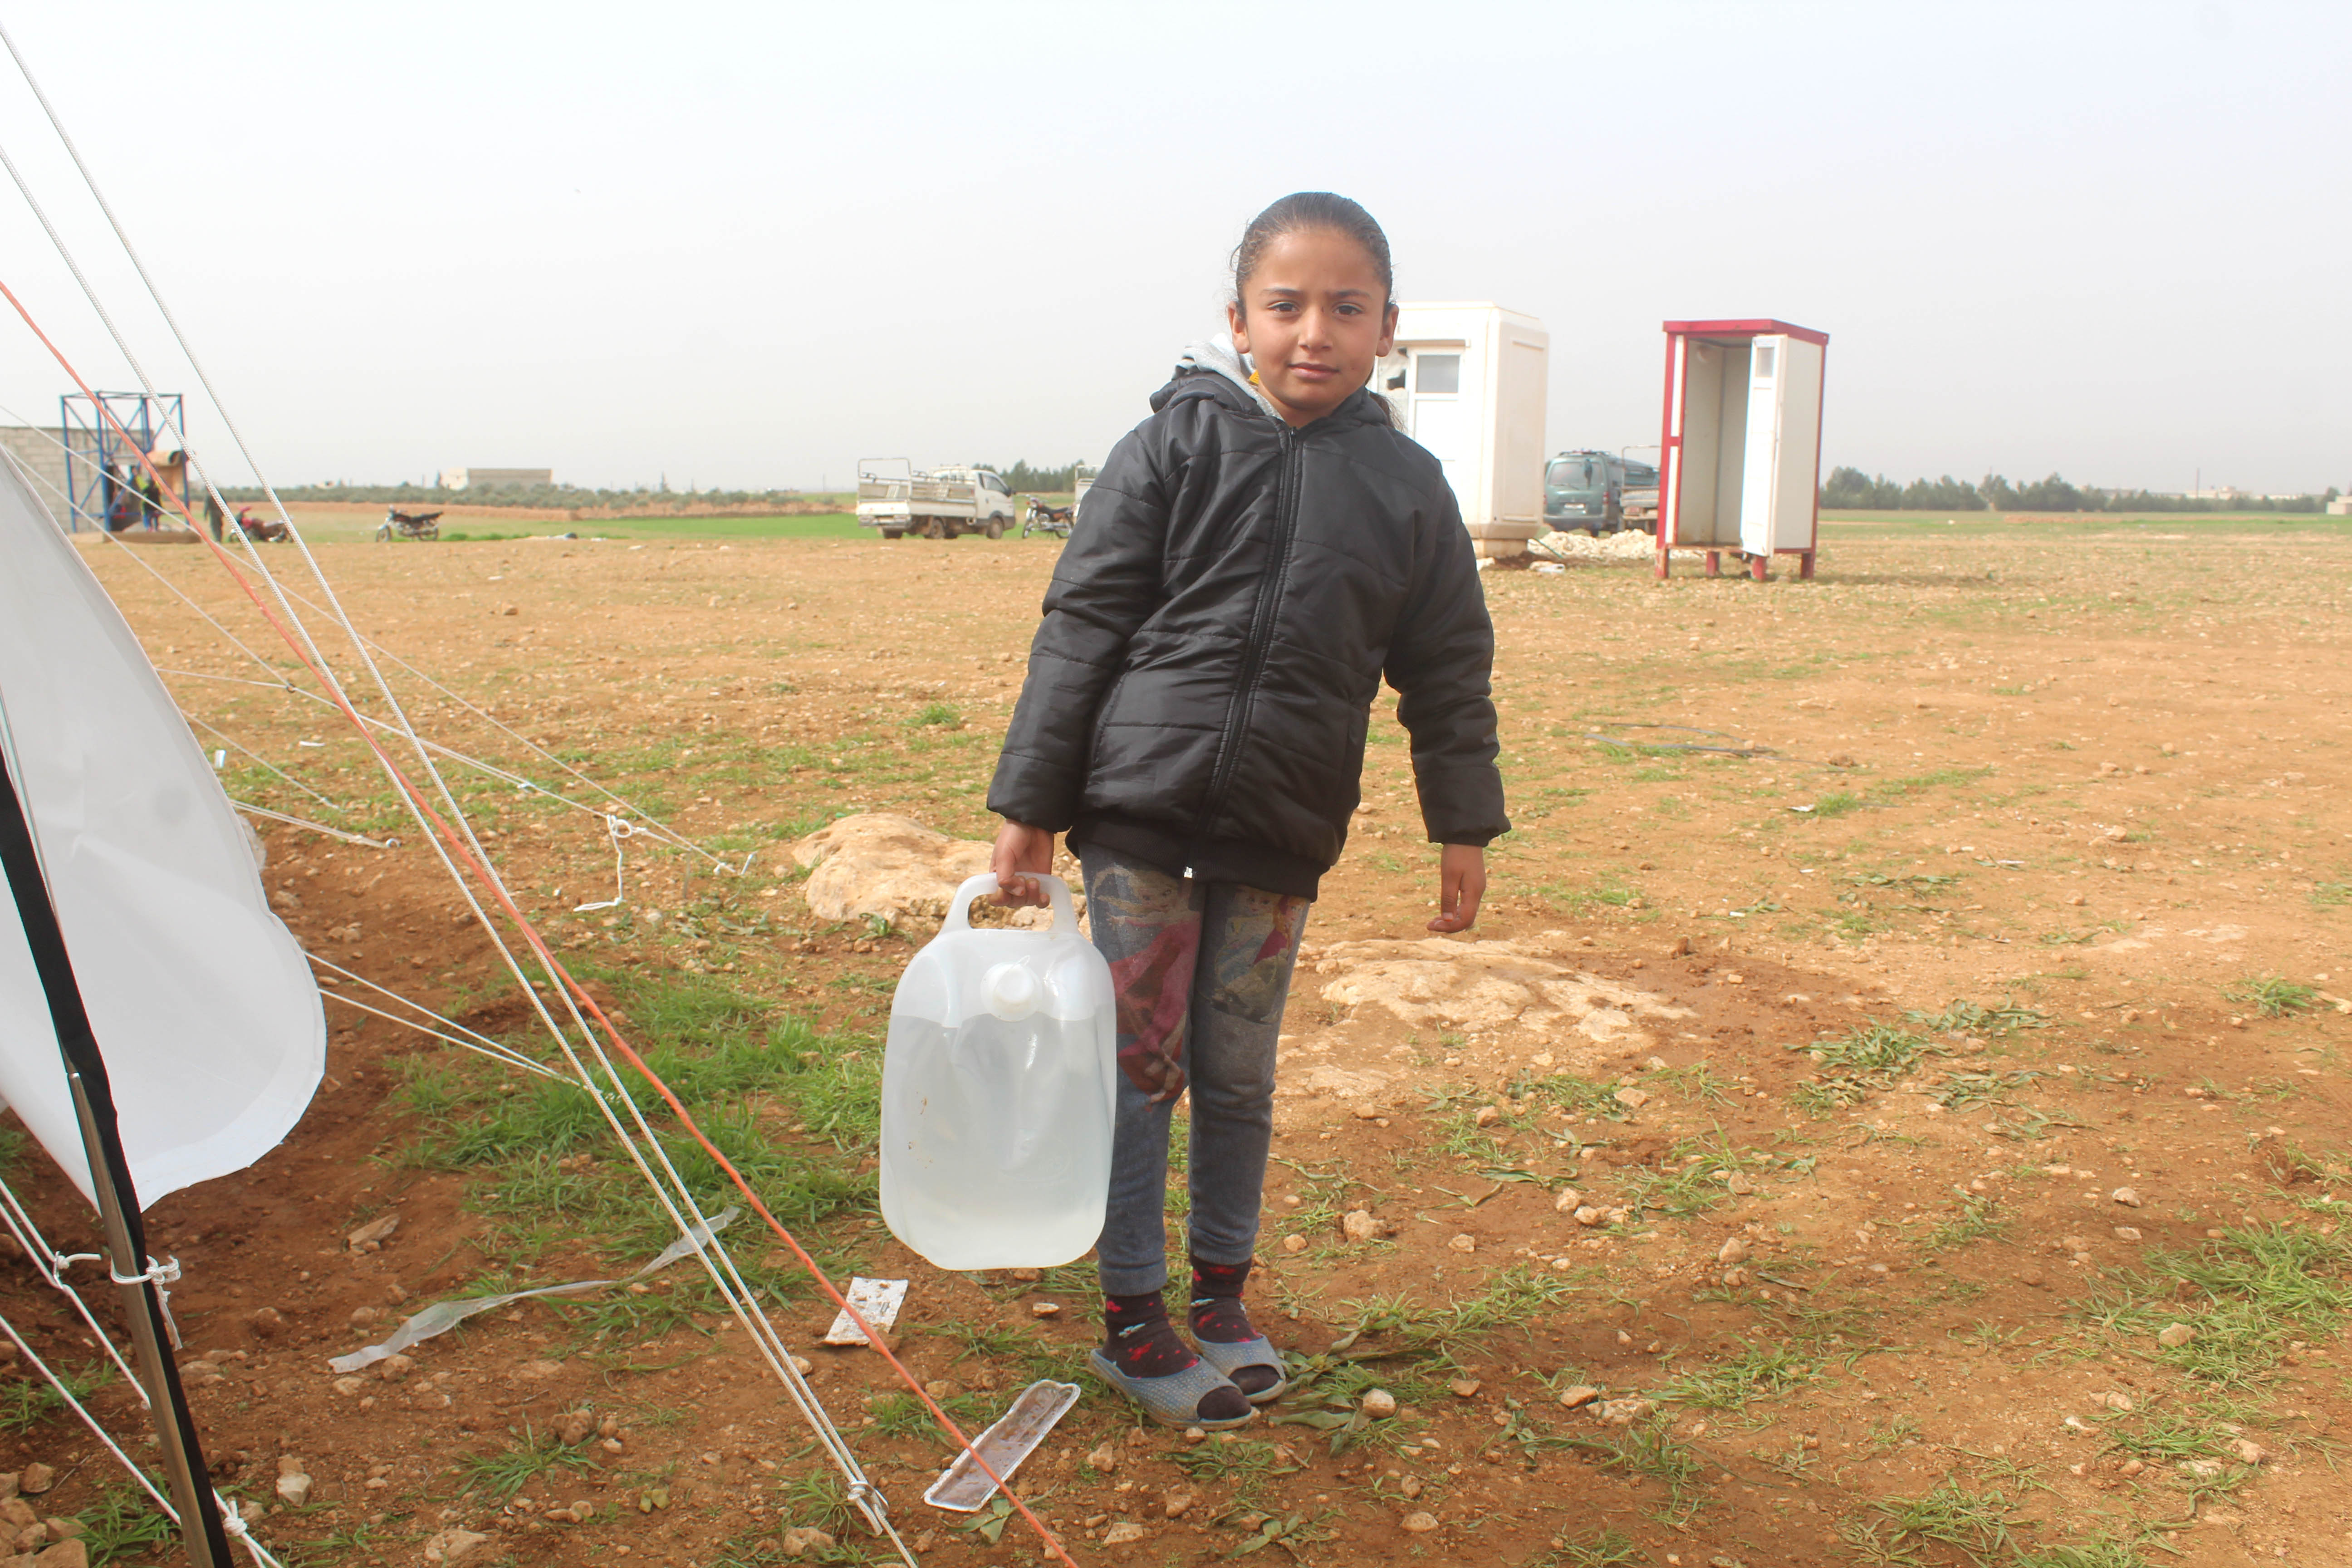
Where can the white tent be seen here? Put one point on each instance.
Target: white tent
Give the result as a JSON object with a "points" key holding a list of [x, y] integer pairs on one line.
{"points": [[201, 1000]]}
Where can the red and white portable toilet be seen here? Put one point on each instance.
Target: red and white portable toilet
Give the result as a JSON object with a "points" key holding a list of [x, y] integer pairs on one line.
{"points": [[1742, 461]]}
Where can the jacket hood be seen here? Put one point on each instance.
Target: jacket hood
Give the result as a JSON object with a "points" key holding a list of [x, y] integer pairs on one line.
{"points": [[1213, 368]]}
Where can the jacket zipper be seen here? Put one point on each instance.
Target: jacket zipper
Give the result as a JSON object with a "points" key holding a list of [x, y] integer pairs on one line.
{"points": [[1261, 632]]}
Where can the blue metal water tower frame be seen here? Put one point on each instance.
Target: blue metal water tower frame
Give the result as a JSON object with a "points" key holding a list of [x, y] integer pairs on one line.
{"points": [[95, 446]]}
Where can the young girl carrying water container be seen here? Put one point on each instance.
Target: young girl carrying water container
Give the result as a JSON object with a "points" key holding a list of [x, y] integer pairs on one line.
{"points": [[1252, 561]]}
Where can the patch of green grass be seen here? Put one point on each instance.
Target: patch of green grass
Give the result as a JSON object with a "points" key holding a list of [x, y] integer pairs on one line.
{"points": [[1964, 1018], [27, 1399], [939, 713], [2332, 895], [1693, 1177], [1245, 1466], [1652, 1452], [1757, 1373], [2087, 1555], [1974, 1524], [2260, 1285], [1837, 803], [1696, 1082], [1611, 1548], [507, 1471], [1574, 1095], [1977, 1218], [124, 1523], [1866, 1059], [2271, 996]]}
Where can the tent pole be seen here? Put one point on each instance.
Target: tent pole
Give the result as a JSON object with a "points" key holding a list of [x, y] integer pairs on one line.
{"points": [[118, 1202]]}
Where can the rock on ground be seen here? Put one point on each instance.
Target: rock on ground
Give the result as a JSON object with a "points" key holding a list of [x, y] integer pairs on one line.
{"points": [[880, 863], [1435, 983], [453, 1545]]}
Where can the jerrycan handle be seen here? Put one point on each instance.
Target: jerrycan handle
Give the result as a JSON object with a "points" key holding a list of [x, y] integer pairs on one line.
{"points": [[1065, 914]]}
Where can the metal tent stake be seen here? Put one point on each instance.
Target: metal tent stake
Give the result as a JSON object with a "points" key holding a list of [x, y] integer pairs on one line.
{"points": [[109, 1173]]}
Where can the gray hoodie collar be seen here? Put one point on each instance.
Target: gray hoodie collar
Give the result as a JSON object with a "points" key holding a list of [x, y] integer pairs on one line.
{"points": [[1218, 354]]}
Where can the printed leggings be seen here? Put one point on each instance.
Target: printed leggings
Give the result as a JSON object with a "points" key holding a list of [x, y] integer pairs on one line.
{"points": [[1201, 972]]}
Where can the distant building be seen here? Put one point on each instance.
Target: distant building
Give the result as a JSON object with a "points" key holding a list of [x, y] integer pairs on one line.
{"points": [[495, 478], [40, 450], [2340, 507]]}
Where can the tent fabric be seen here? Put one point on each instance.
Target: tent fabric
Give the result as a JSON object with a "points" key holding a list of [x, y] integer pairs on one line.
{"points": [[203, 1006]]}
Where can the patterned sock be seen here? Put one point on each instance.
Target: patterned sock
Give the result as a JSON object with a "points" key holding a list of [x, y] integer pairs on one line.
{"points": [[1218, 1317], [1142, 1342], [1217, 1313], [1140, 1339]]}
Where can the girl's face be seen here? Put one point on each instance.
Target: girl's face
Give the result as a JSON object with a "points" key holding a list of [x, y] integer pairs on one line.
{"points": [[1314, 317]]}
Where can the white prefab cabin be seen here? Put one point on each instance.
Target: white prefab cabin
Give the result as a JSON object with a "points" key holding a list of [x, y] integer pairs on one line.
{"points": [[1469, 383]]}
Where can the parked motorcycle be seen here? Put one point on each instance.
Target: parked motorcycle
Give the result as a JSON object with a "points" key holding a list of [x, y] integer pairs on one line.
{"points": [[399, 524], [1041, 519], [268, 530]]}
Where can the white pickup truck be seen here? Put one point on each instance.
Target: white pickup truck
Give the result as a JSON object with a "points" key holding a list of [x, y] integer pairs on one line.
{"points": [[941, 503]]}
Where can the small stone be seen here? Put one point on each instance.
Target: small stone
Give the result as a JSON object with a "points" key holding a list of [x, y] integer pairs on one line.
{"points": [[942, 1388], [9, 1483], [363, 1316], [293, 1484], [1358, 1224], [2126, 1196], [1104, 1458], [1410, 1486], [1174, 1501], [394, 1368], [1028, 1276], [2126, 1233], [373, 1234], [347, 1386], [1590, 1215], [1464, 1243], [1294, 1243], [1625, 1412], [2116, 1401], [2074, 1243], [801, 1539], [1738, 1185], [1567, 1201], [17, 1514], [1194, 1436], [1126, 1532], [1489, 1115], [1045, 1309], [1378, 1402], [574, 1427], [1678, 947], [612, 1445], [64, 1554], [2173, 1336], [1631, 1098], [2249, 1452], [2132, 1467], [610, 1426], [1418, 1523], [1733, 1251], [1463, 1387], [453, 1545], [1576, 1396], [536, 1371], [265, 1323], [801, 1364]]}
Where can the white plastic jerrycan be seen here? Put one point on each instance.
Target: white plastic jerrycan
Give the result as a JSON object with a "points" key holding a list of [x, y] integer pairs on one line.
{"points": [[998, 1088]]}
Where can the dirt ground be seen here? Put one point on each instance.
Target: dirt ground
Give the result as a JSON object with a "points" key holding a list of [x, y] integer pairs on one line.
{"points": [[1836, 1119]]}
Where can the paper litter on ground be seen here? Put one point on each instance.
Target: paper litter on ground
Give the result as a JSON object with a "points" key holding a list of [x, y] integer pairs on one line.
{"points": [[876, 1300]]}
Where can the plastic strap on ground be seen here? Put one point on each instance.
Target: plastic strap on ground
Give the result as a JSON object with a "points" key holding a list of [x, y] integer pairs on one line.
{"points": [[442, 1316]]}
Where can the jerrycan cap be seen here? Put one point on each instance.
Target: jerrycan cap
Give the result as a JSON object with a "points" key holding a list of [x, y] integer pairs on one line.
{"points": [[1011, 992]]}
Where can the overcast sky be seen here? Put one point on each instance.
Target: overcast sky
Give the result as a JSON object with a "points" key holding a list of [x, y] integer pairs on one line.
{"points": [[747, 245]]}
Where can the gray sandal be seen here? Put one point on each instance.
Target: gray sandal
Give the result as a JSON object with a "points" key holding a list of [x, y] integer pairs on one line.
{"points": [[1231, 1359], [1173, 1400]]}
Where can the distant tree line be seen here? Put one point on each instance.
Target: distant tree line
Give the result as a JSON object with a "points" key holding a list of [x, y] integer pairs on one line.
{"points": [[1041, 481], [1852, 490], [548, 496]]}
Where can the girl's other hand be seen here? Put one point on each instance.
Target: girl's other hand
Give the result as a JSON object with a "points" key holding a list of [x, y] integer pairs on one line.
{"points": [[1022, 854], [1461, 883]]}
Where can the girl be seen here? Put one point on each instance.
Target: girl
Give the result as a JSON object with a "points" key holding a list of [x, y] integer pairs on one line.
{"points": [[1252, 559]]}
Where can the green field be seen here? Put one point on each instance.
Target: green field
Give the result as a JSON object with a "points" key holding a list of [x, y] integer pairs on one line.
{"points": [[2045, 525]]}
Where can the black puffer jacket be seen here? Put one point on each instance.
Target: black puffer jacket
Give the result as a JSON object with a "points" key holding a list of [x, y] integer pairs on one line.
{"points": [[1218, 627]]}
